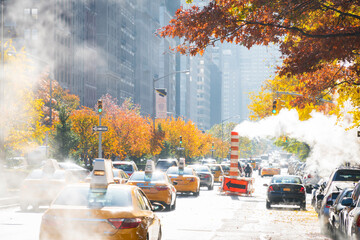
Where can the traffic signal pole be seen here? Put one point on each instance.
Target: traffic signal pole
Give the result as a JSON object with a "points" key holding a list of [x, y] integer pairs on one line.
{"points": [[100, 110], [100, 140]]}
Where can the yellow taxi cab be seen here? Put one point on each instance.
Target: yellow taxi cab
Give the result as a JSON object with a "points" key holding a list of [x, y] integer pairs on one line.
{"points": [[41, 186], [120, 176], [101, 210], [270, 170], [156, 185], [184, 179], [217, 170]]}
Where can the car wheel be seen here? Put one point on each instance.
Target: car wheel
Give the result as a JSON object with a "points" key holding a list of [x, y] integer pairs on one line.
{"points": [[196, 194], [35, 207], [268, 205], [174, 205], [303, 206], [160, 234], [24, 206], [211, 187]]}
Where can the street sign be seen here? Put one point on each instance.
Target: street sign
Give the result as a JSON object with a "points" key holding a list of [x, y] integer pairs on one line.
{"points": [[100, 128], [235, 185], [180, 148], [212, 150]]}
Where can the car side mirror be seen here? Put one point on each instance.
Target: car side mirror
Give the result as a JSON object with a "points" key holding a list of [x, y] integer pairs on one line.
{"points": [[157, 207], [320, 197], [265, 185], [316, 186], [330, 202], [175, 183], [347, 202]]}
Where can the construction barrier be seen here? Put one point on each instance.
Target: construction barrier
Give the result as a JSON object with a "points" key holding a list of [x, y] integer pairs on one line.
{"points": [[234, 184]]}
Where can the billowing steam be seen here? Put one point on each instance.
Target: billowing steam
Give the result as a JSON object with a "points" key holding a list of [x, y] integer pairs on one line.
{"points": [[331, 145]]}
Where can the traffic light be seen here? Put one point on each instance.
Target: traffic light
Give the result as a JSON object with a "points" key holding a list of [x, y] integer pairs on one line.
{"points": [[100, 106], [180, 140], [285, 139], [212, 146], [274, 107]]}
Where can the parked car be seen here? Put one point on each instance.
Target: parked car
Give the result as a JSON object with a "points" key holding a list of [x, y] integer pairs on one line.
{"points": [[341, 178], [335, 210], [345, 212]]}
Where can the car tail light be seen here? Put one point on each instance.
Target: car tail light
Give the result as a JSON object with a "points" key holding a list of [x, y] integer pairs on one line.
{"points": [[161, 188], [309, 176], [124, 223], [302, 190], [206, 176], [271, 189], [358, 222], [117, 181], [129, 174], [327, 200]]}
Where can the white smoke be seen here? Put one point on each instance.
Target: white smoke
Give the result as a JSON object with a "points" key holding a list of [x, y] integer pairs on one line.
{"points": [[331, 145]]}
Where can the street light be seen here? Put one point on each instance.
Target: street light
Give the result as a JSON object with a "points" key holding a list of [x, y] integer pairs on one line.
{"points": [[154, 99]]}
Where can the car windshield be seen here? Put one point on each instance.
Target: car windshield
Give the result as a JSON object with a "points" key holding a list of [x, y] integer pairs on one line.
{"points": [[286, 179], [165, 164], [124, 167], [215, 168], [226, 167], [201, 169], [84, 196], [35, 174], [69, 165], [347, 175], [175, 171], [153, 177]]}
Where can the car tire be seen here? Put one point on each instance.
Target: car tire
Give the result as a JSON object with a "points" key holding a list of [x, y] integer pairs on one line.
{"points": [[303, 206], [196, 194], [24, 206], [35, 207], [268, 205], [174, 205], [160, 234], [211, 187], [168, 207]]}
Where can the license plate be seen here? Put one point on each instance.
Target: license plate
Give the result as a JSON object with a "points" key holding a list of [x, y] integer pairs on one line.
{"points": [[286, 189]]}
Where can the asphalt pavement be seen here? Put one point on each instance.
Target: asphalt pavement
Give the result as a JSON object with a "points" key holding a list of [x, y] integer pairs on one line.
{"points": [[211, 216]]}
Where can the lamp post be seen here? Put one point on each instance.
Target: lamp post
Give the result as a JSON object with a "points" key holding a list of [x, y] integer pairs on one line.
{"points": [[154, 98], [222, 129]]}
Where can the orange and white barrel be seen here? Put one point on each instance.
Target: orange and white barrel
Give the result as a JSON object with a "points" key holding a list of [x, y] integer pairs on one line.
{"points": [[234, 155]]}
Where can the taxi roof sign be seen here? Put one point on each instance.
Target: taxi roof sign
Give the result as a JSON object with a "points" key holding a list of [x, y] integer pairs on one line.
{"points": [[51, 165], [102, 174], [150, 166], [182, 163]]}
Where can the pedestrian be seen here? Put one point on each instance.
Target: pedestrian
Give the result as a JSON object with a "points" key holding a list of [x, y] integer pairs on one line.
{"points": [[248, 170]]}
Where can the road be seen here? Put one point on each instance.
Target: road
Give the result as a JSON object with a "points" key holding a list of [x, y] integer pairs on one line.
{"points": [[207, 217]]}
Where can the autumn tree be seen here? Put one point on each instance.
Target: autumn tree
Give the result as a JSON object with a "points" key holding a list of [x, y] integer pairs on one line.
{"points": [[129, 134], [82, 122], [319, 40]]}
